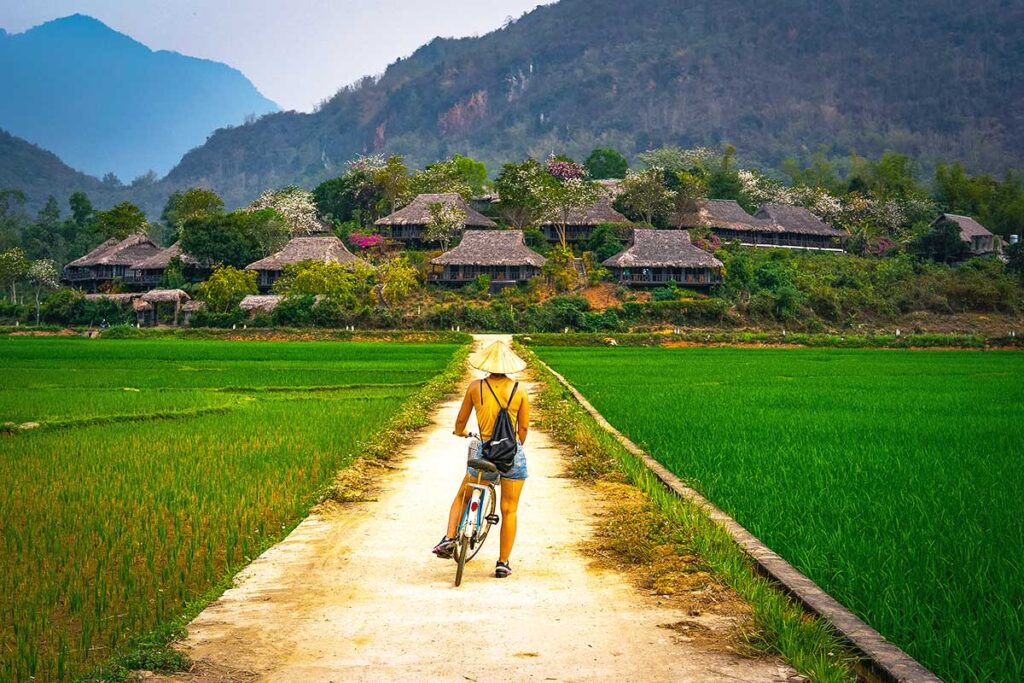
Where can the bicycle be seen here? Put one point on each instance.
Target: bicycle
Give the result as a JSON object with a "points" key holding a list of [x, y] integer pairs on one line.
{"points": [[477, 518]]}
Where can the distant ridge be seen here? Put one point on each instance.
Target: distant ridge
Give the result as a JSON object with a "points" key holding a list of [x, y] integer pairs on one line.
{"points": [[104, 102]]}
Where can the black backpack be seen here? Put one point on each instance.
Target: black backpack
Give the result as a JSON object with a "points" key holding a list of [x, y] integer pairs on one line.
{"points": [[502, 447]]}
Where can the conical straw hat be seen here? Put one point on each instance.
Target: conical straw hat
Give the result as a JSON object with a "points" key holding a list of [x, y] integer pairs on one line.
{"points": [[497, 358]]}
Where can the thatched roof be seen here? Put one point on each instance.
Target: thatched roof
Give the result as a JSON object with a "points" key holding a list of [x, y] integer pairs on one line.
{"points": [[491, 248], [328, 249], [968, 226], [662, 249], [260, 302], [161, 296], [796, 219], [124, 298], [116, 252], [192, 306], [722, 213], [161, 260], [418, 211], [601, 211]]}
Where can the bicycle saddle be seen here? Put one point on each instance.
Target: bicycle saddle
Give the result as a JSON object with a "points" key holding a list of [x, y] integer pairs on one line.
{"points": [[482, 465]]}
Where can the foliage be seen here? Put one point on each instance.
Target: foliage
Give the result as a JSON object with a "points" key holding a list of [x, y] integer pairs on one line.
{"points": [[560, 269], [196, 202], [603, 163], [567, 189], [43, 275], [234, 239], [363, 240], [70, 307], [294, 205], [396, 278], [456, 174], [942, 243], [226, 287], [998, 205], [643, 196], [344, 284], [123, 220], [1015, 259], [447, 221], [521, 189], [606, 241]]}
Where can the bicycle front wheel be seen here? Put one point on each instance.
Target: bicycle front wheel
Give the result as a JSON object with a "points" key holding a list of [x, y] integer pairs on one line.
{"points": [[461, 558]]}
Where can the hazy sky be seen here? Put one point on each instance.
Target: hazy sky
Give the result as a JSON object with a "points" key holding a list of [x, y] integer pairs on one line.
{"points": [[297, 52]]}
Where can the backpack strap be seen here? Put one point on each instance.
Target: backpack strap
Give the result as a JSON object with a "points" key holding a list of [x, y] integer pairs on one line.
{"points": [[496, 396]]}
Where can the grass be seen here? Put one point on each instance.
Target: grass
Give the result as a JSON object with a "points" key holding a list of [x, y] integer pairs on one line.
{"points": [[891, 478], [117, 521]]}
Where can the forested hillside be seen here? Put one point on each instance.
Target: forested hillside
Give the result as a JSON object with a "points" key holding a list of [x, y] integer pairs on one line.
{"points": [[936, 79]]}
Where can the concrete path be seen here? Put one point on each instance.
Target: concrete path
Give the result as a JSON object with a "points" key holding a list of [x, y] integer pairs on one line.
{"points": [[353, 594]]}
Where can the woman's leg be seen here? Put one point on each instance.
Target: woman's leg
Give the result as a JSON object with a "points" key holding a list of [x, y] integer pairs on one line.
{"points": [[510, 490], [458, 505]]}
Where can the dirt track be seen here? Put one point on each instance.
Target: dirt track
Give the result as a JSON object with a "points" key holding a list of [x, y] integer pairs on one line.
{"points": [[353, 593]]}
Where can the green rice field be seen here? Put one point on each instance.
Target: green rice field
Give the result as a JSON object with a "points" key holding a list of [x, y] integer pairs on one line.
{"points": [[894, 479], [158, 467]]}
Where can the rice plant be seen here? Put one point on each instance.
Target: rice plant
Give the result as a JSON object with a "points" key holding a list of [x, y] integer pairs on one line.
{"points": [[113, 517], [891, 478]]}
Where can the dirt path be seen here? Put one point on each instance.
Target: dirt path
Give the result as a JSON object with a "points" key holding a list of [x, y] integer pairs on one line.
{"points": [[354, 594]]}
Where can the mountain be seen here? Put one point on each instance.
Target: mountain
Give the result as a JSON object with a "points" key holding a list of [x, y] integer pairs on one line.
{"points": [[932, 78], [106, 103], [39, 173]]}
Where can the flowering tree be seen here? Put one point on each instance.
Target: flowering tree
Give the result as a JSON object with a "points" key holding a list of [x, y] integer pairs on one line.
{"points": [[444, 176], [644, 193], [391, 180], [446, 223], [295, 205], [521, 189], [567, 189], [43, 275], [364, 240], [13, 265], [396, 278]]}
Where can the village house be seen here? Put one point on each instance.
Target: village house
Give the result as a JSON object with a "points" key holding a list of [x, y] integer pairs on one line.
{"points": [[774, 225], [149, 272], [501, 255], [978, 238], [409, 224], [148, 306], [580, 223], [658, 257], [108, 262], [328, 249]]}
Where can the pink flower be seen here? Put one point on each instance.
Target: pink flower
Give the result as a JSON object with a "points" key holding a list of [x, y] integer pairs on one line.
{"points": [[565, 170], [364, 241]]}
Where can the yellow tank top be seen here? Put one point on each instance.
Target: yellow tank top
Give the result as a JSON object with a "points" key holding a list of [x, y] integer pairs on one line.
{"points": [[486, 407]]}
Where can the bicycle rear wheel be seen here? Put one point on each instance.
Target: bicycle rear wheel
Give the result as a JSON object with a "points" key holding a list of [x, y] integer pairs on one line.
{"points": [[461, 558], [485, 527]]}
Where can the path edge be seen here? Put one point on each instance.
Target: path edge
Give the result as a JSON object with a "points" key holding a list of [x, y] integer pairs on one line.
{"points": [[884, 659]]}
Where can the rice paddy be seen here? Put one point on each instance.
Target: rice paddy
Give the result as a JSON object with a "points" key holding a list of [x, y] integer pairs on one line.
{"points": [[892, 478], [160, 466]]}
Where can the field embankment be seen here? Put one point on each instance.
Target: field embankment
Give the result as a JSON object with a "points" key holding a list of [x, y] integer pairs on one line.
{"points": [[117, 519], [888, 478]]}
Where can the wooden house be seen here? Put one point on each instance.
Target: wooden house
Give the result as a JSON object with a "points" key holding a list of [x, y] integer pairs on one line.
{"points": [[409, 224], [329, 249], [978, 238], [580, 223], [108, 262], [658, 257], [774, 225], [502, 255], [149, 272]]}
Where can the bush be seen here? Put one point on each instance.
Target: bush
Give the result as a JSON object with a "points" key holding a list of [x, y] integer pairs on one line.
{"points": [[207, 318], [294, 311]]}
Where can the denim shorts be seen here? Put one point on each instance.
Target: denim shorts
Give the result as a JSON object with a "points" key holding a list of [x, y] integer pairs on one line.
{"points": [[518, 470]]}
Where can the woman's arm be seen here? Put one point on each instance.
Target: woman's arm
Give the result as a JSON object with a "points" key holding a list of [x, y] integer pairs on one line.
{"points": [[465, 411], [523, 418]]}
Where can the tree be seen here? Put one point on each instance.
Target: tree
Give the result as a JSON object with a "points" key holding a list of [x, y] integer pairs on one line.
{"points": [[443, 176], [391, 180], [293, 204], [472, 171], [234, 239], [226, 287], [644, 194], [121, 221], [344, 285], [606, 163], [13, 266], [396, 278], [560, 269], [447, 222], [196, 202], [605, 242], [44, 237], [174, 274], [42, 275], [81, 209], [941, 243], [568, 189], [1015, 259], [521, 191], [12, 217], [724, 182]]}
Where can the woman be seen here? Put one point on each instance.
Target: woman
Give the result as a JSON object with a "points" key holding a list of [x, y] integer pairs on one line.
{"points": [[483, 396]]}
